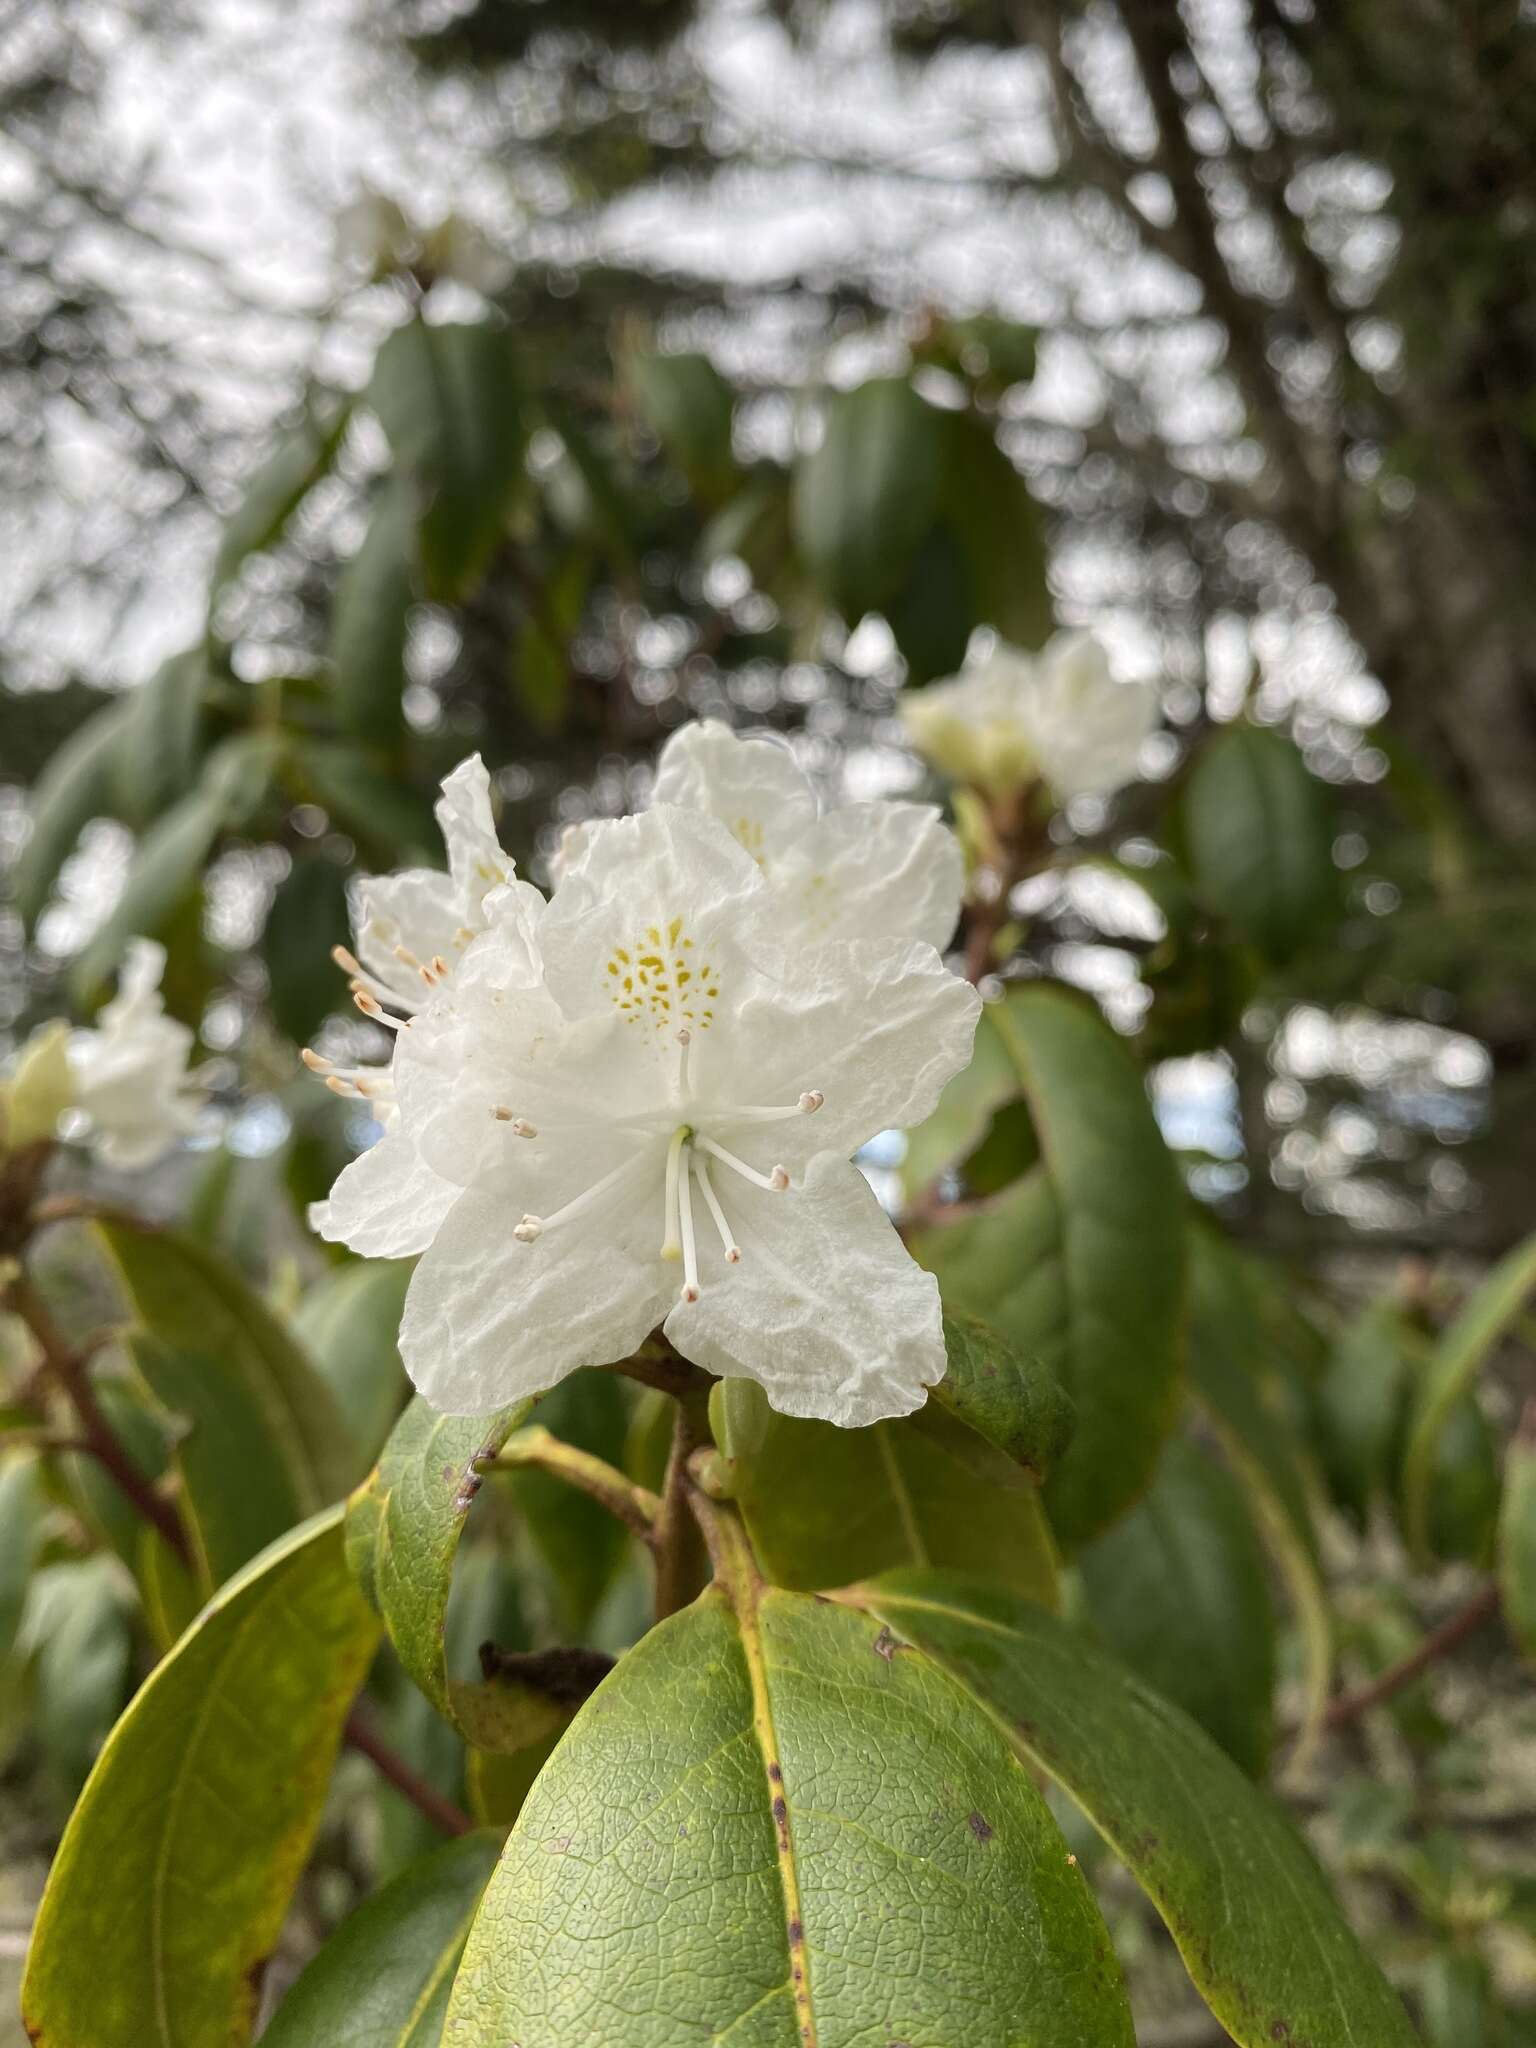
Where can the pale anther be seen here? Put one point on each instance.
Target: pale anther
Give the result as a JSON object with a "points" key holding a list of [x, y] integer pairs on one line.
{"points": [[811, 1101], [528, 1229]]}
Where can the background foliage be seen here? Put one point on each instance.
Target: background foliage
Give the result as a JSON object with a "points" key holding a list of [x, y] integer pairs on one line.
{"points": [[744, 360]]}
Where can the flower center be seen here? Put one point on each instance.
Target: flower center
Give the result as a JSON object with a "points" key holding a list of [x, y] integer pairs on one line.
{"points": [[685, 1166], [660, 979]]}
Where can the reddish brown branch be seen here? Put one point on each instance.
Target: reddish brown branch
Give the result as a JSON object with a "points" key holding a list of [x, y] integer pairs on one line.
{"points": [[361, 1735], [1438, 1643]]}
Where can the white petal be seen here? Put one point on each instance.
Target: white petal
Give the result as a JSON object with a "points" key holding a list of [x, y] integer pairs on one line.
{"points": [[875, 871], [489, 1320], [476, 860], [877, 1029], [1086, 728], [826, 1310], [387, 1204], [752, 784], [416, 909]]}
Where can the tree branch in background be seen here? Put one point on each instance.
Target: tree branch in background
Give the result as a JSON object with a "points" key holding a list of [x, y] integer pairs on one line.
{"points": [[361, 1735], [1466, 1621]]}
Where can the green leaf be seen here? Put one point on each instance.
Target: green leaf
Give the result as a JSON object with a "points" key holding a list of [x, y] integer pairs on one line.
{"points": [[76, 1628], [382, 1980], [301, 458], [1464, 1487], [243, 1481], [933, 613], [1229, 1352], [1517, 1537], [988, 508], [1012, 1400], [156, 759], [1259, 1931], [349, 1323], [1452, 1369], [75, 787], [863, 501], [1259, 829], [195, 1302], [308, 917], [781, 1830], [1178, 1590], [1081, 1266], [1358, 1407], [170, 858], [368, 621], [160, 1910], [688, 404], [390, 820], [403, 1530], [448, 400], [21, 1518]]}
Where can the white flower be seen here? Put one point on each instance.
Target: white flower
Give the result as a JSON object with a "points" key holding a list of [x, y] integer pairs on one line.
{"points": [[865, 871], [658, 1130], [411, 929], [1059, 716], [1086, 729], [130, 1073], [972, 727]]}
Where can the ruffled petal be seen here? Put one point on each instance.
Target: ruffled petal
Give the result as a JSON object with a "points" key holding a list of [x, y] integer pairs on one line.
{"points": [[387, 1204], [826, 1310], [752, 784], [877, 1029], [489, 1320], [875, 871], [476, 860]]}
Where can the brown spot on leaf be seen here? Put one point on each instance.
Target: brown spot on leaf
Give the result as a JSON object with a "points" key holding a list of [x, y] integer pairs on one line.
{"points": [[776, 1774], [469, 1486], [1279, 2031], [796, 1933], [980, 1827], [886, 1645], [564, 1675]]}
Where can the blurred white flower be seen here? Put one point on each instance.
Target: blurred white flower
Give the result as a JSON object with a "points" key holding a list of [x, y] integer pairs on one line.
{"points": [[882, 870], [130, 1072], [373, 235], [972, 727], [646, 1100], [1059, 716], [1086, 729]]}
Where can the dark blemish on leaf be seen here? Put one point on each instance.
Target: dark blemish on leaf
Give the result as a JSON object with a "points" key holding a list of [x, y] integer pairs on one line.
{"points": [[796, 1933], [682, 1831], [450, 1473], [564, 1675], [469, 1486], [886, 1645], [1279, 2031], [781, 1822], [776, 1774], [980, 1827]]}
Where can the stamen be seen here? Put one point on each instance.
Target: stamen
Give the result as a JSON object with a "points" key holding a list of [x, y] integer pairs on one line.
{"points": [[684, 1039], [372, 1007], [531, 1227], [690, 1250], [521, 1128], [775, 1182], [806, 1105], [671, 1243], [728, 1244]]}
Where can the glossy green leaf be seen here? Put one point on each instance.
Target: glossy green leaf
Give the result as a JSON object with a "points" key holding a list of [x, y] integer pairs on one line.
{"points": [[1464, 1487], [349, 1323], [863, 501], [368, 621], [448, 399], [76, 1630], [1517, 1537], [1178, 1590], [156, 759], [193, 1301], [1081, 1266], [1259, 1931], [301, 458], [1452, 1369], [243, 1482], [688, 405], [403, 1531], [988, 508], [383, 1978], [778, 1831], [1259, 829], [169, 860], [175, 1873], [75, 787], [1013, 1400]]}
